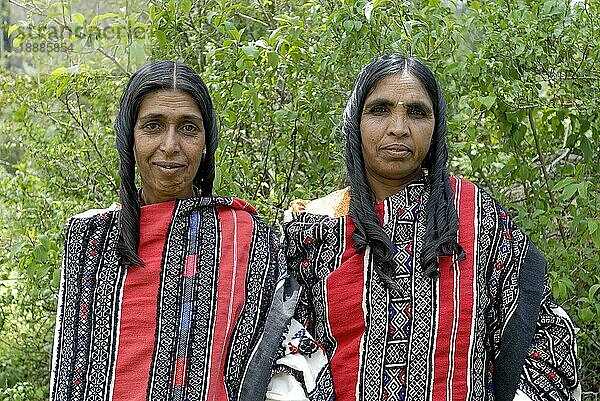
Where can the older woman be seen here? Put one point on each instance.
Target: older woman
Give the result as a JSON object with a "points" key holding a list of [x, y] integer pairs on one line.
{"points": [[419, 285], [176, 295]]}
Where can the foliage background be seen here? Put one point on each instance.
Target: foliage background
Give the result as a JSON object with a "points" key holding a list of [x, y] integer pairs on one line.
{"points": [[520, 76]]}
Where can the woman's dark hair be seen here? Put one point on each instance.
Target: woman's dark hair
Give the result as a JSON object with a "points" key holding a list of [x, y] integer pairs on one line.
{"points": [[442, 220], [156, 76]]}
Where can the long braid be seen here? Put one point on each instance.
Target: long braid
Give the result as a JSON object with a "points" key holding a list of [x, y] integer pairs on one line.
{"points": [[129, 225], [129, 218], [206, 172], [442, 220]]}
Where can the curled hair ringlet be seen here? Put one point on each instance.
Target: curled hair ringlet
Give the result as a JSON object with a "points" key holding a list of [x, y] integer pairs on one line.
{"points": [[441, 216], [153, 77]]}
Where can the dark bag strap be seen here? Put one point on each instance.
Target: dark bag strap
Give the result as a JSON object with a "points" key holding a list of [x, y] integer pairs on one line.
{"points": [[520, 329]]}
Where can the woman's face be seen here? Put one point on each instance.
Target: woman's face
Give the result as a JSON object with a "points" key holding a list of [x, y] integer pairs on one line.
{"points": [[396, 128], [168, 145]]}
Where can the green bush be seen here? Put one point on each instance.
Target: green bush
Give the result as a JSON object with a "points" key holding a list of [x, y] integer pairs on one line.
{"points": [[520, 77]]}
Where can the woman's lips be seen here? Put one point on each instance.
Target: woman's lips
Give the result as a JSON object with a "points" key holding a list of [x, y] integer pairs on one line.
{"points": [[397, 151], [169, 167]]}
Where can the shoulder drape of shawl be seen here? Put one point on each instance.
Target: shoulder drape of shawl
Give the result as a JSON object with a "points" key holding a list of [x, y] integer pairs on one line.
{"points": [[87, 328], [529, 341]]}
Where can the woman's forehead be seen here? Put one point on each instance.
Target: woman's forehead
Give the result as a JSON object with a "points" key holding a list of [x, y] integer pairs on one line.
{"points": [[402, 83], [169, 101]]}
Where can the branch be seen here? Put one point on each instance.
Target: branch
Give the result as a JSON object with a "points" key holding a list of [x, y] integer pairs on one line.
{"points": [[88, 136], [254, 20], [545, 173], [114, 60], [30, 9], [292, 164], [265, 170]]}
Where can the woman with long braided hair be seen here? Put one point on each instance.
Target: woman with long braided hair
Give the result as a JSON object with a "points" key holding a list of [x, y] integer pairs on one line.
{"points": [[176, 294], [417, 283]]}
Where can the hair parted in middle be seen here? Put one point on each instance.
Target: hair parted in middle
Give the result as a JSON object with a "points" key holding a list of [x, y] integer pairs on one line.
{"points": [[153, 77], [442, 219]]}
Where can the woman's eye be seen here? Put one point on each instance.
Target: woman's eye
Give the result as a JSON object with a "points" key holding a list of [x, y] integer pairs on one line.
{"points": [[416, 112], [189, 128], [378, 110], [151, 126]]}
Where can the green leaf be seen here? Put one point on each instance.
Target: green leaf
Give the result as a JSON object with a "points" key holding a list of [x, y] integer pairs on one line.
{"points": [[537, 213], [251, 51], [56, 278], [488, 101], [45, 241], [160, 35], [210, 15], [563, 183], [186, 6], [237, 90], [12, 29], [562, 290], [273, 58], [348, 25], [79, 18], [592, 292], [40, 254], [596, 238], [586, 149], [523, 172], [101, 17], [569, 191], [586, 314], [16, 249], [137, 53], [58, 72], [231, 29], [17, 41]]}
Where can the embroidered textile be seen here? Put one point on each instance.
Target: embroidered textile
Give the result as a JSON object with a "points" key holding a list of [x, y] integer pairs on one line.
{"points": [[221, 303], [463, 336]]}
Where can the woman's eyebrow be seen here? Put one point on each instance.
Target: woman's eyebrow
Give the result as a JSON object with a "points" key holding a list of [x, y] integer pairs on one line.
{"points": [[419, 104], [150, 116], [379, 102], [390, 103], [188, 116]]}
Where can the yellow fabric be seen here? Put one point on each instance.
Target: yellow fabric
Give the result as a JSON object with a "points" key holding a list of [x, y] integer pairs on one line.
{"points": [[335, 204]]}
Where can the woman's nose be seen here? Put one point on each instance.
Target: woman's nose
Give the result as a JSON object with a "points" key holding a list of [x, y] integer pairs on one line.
{"points": [[398, 123], [170, 142]]}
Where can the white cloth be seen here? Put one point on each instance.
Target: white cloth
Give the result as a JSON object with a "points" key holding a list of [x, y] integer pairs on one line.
{"points": [[284, 386]]}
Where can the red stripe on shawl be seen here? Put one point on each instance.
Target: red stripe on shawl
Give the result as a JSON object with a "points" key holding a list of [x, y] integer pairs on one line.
{"points": [[467, 227], [236, 236], [180, 371], [345, 288], [189, 269], [241, 204], [456, 300], [140, 291]]}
